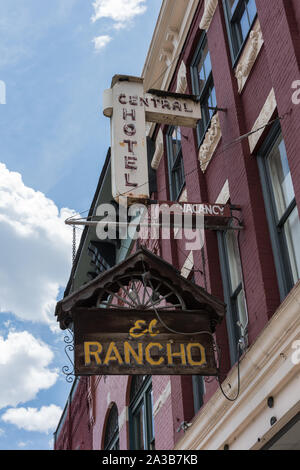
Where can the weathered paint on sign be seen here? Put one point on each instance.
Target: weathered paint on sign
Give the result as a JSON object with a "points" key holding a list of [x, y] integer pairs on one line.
{"points": [[129, 107], [112, 342]]}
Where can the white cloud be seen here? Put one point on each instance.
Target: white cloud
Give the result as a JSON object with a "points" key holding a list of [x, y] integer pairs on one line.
{"points": [[32, 419], [23, 444], [101, 41], [35, 250], [24, 368], [120, 11]]}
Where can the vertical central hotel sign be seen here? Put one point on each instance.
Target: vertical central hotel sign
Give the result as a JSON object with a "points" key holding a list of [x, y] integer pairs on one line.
{"points": [[128, 138], [129, 107]]}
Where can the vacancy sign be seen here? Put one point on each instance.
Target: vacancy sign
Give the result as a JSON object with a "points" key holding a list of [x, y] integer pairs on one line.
{"points": [[129, 108]]}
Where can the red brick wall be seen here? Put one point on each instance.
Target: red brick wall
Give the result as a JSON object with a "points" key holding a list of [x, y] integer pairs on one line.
{"points": [[76, 431], [280, 28]]}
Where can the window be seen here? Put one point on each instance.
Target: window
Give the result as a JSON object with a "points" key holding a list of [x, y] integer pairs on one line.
{"points": [[141, 420], [175, 162], [240, 16], [203, 86], [281, 209], [198, 391], [234, 295], [111, 439], [103, 256]]}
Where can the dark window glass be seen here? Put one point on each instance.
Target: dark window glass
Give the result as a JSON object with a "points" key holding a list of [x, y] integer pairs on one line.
{"points": [[198, 391], [203, 86], [141, 420], [111, 440], [175, 162], [240, 15]]}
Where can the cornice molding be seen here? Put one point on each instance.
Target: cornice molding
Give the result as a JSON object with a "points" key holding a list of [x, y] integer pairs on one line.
{"points": [[249, 56], [209, 11], [172, 27], [210, 143], [170, 33]]}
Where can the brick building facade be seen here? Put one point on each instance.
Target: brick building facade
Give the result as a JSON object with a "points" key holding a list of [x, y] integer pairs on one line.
{"points": [[242, 59]]}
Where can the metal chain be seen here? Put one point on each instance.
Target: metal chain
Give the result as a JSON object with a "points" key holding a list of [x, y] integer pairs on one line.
{"points": [[74, 244]]}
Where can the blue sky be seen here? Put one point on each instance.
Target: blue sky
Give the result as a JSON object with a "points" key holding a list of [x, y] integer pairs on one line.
{"points": [[56, 58]]}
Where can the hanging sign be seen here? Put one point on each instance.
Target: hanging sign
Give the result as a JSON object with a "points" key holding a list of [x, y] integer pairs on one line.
{"points": [[117, 342], [129, 107], [184, 214]]}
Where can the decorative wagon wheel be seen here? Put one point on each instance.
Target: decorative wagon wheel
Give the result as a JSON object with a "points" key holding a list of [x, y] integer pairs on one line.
{"points": [[142, 292]]}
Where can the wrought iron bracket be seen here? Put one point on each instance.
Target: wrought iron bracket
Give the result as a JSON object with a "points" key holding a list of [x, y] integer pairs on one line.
{"points": [[67, 370]]}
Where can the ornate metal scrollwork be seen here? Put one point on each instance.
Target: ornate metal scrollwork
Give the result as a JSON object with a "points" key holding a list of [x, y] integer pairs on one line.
{"points": [[69, 348]]}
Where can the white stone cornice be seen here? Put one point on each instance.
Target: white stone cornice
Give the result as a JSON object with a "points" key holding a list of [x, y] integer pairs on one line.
{"points": [[174, 23], [159, 150], [249, 56], [209, 11], [210, 143]]}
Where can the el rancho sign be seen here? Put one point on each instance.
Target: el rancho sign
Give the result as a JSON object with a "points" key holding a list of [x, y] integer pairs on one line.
{"points": [[136, 342], [142, 317]]}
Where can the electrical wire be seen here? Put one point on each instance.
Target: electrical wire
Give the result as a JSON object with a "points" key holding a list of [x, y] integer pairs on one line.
{"points": [[224, 149], [239, 379], [198, 333]]}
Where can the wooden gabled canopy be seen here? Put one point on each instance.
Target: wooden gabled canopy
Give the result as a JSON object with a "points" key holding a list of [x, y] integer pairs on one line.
{"points": [[155, 270]]}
